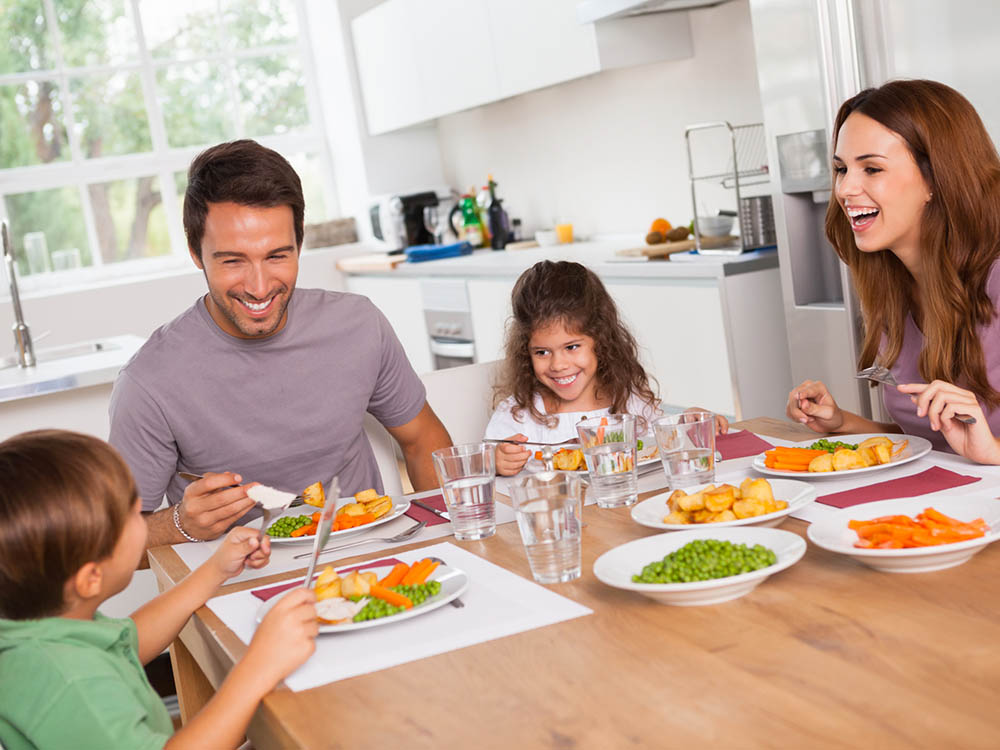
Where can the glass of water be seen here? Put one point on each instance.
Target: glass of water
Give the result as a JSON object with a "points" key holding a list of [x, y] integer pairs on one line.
{"points": [[687, 447], [467, 474], [548, 507], [609, 446]]}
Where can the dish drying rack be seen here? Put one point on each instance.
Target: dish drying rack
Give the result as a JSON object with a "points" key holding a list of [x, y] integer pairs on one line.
{"points": [[746, 165]]}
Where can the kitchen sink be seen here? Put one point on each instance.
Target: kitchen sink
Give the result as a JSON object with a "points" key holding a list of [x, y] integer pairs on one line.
{"points": [[67, 351]]}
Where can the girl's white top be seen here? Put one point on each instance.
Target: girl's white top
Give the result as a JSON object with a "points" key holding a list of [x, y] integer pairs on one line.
{"points": [[503, 423]]}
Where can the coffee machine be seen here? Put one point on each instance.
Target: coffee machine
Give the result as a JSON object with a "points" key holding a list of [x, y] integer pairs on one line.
{"points": [[398, 220]]}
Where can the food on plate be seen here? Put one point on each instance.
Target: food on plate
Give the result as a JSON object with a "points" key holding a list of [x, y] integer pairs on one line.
{"points": [[287, 525], [752, 498], [368, 506], [565, 459], [705, 559], [269, 497], [929, 528], [314, 495], [824, 456], [359, 595]]}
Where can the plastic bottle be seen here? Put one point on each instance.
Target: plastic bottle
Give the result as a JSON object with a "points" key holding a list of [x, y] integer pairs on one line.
{"points": [[497, 219], [472, 228]]}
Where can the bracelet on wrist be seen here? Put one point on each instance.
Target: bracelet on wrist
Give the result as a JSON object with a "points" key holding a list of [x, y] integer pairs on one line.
{"points": [[177, 523]]}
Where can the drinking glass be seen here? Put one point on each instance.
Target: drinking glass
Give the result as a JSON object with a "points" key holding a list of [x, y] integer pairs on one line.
{"points": [[36, 252], [609, 446], [66, 260], [548, 507], [687, 447], [433, 221], [467, 474]]}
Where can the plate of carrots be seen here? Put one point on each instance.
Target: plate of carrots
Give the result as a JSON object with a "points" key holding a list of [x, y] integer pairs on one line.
{"points": [[798, 460], [911, 534], [343, 525]]}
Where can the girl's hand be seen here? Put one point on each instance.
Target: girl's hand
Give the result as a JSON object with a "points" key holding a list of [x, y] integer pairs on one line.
{"points": [[721, 423], [241, 547], [512, 458], [285, 638], [812, 405], [939, 402]]}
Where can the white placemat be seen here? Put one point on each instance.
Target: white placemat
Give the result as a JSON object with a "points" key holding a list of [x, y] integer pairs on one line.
{"points": [[283, 555], [498, 603]]}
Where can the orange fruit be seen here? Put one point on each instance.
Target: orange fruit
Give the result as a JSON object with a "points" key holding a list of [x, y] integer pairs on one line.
{"points": [[660, 225]]}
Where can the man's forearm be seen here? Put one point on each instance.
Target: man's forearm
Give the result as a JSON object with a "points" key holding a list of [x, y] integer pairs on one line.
{"points": [[161, 528], [419, 464]]}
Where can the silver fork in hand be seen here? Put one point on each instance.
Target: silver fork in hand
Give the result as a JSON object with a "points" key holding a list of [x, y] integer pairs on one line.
{"points": [[401, 536]]}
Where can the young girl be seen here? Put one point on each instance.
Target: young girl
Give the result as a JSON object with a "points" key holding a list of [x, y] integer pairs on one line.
{"points": [[71, 535], [569, 357], [915, 215]]}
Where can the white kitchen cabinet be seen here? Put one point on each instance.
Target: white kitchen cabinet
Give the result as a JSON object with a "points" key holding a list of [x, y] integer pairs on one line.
{"points": [[420, 60], [489, 303], [400, 301]]}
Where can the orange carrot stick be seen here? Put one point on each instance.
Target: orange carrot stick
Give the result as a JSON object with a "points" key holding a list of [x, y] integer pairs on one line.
{"points": [[411, 577], [425, 573], [394, 598], [394, 576]]}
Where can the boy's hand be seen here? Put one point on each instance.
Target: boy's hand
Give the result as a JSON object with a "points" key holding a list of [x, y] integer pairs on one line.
{"points": [[241, 547], [211, 505], [512, 458], [285, 638]]}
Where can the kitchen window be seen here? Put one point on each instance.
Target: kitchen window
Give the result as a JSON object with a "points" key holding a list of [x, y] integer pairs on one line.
{"points": [[104, 103]]}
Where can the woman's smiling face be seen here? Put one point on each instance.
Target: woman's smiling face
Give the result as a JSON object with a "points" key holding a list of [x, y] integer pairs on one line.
{"points": [[565, 362], [880, 188]]}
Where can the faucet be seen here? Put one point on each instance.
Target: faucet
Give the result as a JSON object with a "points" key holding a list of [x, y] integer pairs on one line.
{"points": [[22, 336]]}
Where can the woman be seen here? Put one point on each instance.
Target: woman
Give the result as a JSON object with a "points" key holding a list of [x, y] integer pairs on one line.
{"points": [[915, 214]]}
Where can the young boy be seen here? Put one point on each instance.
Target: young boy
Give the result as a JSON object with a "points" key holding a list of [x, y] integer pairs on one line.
{"points": [[71, 535]]}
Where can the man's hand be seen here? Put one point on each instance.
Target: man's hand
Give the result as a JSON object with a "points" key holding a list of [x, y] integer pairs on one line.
{"points": [[213, 504], [512, 458]]}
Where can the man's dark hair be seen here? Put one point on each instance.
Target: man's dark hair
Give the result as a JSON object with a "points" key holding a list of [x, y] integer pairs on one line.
{"points": [[242, 172]]}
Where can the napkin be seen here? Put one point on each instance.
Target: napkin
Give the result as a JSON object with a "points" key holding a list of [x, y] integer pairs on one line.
{"points": [[931, 480], [419, 514], [740, 444], [272, 591]]}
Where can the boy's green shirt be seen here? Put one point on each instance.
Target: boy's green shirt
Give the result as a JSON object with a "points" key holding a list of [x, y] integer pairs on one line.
{"points": [[77, 684]]}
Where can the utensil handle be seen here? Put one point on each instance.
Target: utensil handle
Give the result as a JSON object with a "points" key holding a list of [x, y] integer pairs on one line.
{"points": [[337, 548]]}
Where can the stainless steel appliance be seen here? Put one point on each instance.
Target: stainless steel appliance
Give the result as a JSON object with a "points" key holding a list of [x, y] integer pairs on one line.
{"points": [[448, 317], [811, 56], [398, 220]]}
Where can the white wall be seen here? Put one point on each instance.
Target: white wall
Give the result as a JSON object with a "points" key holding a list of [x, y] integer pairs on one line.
{"points": [[606, 152]]}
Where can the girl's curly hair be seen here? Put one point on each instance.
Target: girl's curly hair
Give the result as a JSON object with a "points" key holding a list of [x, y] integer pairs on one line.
{"points": [[573, 295]]}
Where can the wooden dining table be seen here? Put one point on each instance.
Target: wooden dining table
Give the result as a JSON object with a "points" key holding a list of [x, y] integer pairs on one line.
{"points": [[828, 653]]}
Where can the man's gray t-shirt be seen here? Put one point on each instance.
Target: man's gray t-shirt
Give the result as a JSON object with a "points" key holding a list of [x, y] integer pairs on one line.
{"points": [[285, 411]]}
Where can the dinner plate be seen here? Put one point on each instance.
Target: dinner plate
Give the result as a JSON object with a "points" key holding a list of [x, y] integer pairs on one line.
{"points": [[453, 581], [399, 507], [617, 566], [831, 532], [650, 512], [917, 447]]}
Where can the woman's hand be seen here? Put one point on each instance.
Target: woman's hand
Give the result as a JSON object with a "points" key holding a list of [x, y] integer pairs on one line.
{"points": [[812, 405], [241, 547], [939, 402], [512, 458]]}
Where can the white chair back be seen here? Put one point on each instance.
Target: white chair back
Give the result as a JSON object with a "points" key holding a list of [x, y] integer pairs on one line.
{"points": [[385, 449]]}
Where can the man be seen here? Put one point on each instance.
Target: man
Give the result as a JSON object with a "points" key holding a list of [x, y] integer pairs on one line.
{"points": [[259, 381]]}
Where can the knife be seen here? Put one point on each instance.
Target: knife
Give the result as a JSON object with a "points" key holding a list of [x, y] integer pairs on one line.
{"points": [[435, 511], [322, 531]]}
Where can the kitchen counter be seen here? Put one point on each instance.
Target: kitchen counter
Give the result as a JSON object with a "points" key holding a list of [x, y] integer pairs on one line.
{"points": [[99, 366], [598, 255]]}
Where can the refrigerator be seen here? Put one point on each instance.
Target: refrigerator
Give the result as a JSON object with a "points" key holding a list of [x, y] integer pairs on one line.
{"points": [[811, 56]]}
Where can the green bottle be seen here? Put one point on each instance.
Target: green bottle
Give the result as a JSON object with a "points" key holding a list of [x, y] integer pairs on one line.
{"points": [[472, 228]]}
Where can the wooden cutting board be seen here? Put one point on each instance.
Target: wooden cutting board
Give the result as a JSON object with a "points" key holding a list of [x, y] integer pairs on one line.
{"points": [[665, 249], [373, 262]]}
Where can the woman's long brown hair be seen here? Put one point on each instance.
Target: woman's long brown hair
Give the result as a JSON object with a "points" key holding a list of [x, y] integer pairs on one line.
{"points": [[959, 235], [573, 295]]}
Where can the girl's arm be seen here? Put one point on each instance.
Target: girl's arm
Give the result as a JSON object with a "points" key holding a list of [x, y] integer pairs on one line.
{"points": [[812, 404], [159, 621], [284, 641]]}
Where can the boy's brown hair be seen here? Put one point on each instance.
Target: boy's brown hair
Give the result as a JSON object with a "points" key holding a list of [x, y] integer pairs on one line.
{"points": [[64, 498]]}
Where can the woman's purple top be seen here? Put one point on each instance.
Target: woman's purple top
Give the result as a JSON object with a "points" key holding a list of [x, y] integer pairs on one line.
{"points": [[899, 406]]}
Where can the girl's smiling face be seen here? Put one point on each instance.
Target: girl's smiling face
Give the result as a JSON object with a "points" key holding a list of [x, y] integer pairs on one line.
{"points": [[565, 362], [880, 188]]}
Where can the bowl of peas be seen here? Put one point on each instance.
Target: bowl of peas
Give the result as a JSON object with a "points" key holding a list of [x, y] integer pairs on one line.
{"points": [[700, 566]]}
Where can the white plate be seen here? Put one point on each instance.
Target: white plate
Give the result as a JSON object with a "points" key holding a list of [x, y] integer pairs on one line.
{"points": [[832, 533], [917, 447], [453, 581], [650, 512], [617, 566], [399, 507]]}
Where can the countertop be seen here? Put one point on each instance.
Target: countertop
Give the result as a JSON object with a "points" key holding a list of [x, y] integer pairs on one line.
{"points": [[598, 255], [55, 373]]}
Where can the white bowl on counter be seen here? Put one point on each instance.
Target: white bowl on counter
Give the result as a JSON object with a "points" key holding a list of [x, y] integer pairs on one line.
{"points": [[546, 237], [715, 226]]}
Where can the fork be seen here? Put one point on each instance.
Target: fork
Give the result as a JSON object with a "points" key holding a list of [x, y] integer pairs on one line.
{"points": [[882, 374], [401, 536]]}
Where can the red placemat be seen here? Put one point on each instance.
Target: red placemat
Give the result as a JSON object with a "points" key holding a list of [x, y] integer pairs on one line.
{"points": [[933, 479], [419, 514], [740, 444], [271, 591]]}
